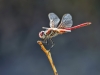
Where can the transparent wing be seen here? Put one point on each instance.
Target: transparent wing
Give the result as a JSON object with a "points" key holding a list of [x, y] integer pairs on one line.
{"points": [[66, 21], [54, 20]]}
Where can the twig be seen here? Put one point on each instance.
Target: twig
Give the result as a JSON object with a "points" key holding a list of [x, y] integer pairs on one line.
{"points": [[48, 54]]}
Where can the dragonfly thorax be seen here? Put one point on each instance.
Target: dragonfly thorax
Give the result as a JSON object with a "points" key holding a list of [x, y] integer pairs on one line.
{"points": [[51, 33]]}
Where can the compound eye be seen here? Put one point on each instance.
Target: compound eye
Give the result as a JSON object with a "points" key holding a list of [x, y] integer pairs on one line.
{"points": [[42, 33]]}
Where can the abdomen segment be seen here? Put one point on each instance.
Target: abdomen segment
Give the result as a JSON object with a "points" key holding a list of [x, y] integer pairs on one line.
{"points": [[79, 26]]}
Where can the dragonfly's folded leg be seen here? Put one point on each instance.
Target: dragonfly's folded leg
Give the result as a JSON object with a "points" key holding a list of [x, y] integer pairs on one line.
{"points": [[52, 44], [44, 41]]}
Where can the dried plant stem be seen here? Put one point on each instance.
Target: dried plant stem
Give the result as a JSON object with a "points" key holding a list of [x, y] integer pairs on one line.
{"points": [[48, 54]]}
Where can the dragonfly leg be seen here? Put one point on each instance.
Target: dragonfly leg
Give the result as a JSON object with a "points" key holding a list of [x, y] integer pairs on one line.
{"points": [[47, 42], [44, 41], [52, 44]]}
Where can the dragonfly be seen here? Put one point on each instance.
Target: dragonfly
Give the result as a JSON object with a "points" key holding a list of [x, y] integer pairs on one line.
{"points": [[57, 28]]}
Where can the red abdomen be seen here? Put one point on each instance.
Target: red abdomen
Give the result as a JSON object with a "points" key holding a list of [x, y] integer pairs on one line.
{"points": [[79, 26]]}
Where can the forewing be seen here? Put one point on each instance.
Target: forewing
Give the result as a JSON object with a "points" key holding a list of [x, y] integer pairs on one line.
{"points": [[54, 20], [66, 21]]}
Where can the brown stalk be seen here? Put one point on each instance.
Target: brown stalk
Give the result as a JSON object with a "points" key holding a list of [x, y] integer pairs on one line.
{"points": [[48, 54]]}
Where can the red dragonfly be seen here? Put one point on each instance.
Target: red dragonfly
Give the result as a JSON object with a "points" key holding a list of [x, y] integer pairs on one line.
{"points": [[56, 29]]}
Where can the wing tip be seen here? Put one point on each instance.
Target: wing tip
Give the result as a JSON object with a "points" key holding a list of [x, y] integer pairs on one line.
{"points": [[51, 13]]}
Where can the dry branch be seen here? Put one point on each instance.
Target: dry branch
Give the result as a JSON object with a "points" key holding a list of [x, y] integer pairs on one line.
{"points": [[48, 54]]}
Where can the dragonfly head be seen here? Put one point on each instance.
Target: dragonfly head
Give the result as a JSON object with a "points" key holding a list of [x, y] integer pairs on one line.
{"points": [[42, 34]]}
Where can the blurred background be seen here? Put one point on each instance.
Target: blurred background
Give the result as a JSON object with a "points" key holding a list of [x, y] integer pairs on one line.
{"points": [[75, 53]]}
